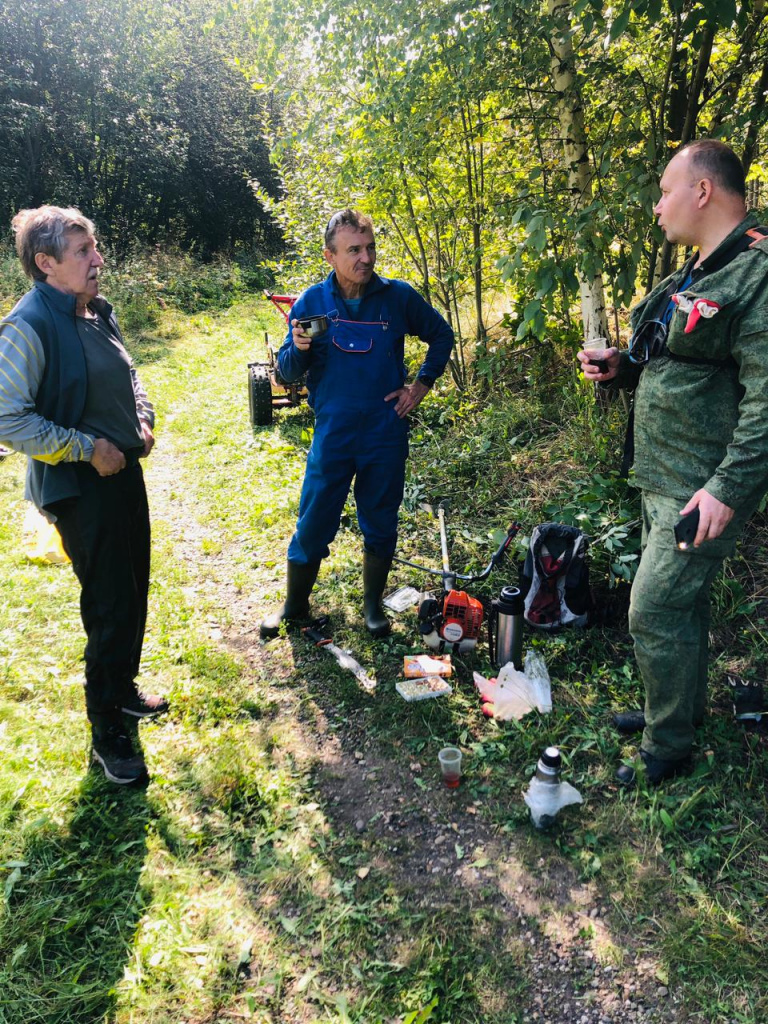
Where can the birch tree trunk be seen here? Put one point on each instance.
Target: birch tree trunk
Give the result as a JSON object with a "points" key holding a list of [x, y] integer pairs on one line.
{"points": [[576, 155]]}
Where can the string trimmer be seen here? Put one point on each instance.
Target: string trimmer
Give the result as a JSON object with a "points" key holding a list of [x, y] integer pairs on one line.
{"points": [[454, 623]]}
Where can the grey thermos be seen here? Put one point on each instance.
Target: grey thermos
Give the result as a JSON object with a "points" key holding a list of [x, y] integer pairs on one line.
{"points": [[508, 611]]}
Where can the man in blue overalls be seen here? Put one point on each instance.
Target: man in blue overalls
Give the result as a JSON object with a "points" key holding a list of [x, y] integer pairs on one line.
{"points": [[356, 380]]}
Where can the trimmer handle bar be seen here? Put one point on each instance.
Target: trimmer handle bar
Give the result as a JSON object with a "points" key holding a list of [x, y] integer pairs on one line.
{"points": [[449, 578]]}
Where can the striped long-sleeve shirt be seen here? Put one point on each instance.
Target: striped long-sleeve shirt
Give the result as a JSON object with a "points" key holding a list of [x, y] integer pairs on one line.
{"points": [[22, 363]]}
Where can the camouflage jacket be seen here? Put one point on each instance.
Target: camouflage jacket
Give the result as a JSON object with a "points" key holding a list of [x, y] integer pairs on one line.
{"points": [[706, 424]]}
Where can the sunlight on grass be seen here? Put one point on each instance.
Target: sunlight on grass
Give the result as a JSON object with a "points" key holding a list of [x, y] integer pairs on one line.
{"points": [[233, 888]]}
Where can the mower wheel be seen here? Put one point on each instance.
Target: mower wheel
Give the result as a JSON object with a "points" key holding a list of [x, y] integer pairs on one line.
{"points": [[259, 395]]}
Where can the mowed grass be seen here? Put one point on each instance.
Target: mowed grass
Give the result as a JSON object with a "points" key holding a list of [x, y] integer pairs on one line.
{"points": [[229, 890]]}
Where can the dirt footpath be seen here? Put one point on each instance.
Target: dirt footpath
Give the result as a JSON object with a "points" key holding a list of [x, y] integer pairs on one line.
{"points": [[435, 844]]}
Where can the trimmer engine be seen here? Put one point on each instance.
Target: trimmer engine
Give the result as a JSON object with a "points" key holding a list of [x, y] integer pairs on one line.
{"points": [[455, 626]]}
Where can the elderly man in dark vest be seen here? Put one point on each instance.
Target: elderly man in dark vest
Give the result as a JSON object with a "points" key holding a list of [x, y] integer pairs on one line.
{"points": [[70, 400]]}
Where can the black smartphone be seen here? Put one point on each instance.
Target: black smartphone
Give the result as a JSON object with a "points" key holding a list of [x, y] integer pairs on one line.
{"points": [[686, 529]]}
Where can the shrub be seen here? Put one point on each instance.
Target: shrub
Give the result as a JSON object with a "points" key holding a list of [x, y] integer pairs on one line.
{"points": [[149, 280], [13, 280]]}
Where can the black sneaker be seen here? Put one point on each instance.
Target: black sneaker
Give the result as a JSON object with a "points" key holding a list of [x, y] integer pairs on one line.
{"points": [[144, 705], [113, 750]]}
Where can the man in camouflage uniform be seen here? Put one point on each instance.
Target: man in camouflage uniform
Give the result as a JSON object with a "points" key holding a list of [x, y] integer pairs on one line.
{"points": [[698, 364]]}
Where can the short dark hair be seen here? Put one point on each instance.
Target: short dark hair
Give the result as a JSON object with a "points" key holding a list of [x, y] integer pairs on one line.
{"points": [[346, 219], [45, 229], [718, 162]]}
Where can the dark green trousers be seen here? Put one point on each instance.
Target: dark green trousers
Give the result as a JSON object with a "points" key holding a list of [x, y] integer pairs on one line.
{"points": [[669, 622]]}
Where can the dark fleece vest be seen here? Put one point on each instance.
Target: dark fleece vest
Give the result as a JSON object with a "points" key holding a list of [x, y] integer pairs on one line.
{"points": [[61, 395]]}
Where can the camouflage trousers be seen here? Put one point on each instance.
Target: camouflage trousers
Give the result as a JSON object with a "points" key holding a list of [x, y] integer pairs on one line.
{"points": [[669, 614]]}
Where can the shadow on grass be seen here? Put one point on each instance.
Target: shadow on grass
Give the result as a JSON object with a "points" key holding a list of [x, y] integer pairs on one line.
{"points": [[70, 917], [618, 842], [328, 936], [687, 860], [288, 423], [150, 347]]}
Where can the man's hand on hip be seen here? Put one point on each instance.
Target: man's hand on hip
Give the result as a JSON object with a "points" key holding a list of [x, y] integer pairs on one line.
{"points": [[106, 459], [714, 516], [149, 438], [408, 397]]}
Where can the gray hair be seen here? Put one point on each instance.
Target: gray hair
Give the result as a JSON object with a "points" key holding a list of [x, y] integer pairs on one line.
{"points": [[346, 219], [45, 229]]}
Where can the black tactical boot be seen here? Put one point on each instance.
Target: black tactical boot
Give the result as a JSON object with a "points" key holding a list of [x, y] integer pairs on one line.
{"points": [[634, 721], [299, 582], [375, 572], [629, 721], [657, 769]]}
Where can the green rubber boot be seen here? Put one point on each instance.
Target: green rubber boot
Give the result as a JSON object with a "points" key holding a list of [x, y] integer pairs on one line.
{"points": [[300, 579], [375, 572]]}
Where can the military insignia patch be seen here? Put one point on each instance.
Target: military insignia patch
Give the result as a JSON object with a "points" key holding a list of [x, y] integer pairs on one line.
{"points": [[695, 308]]}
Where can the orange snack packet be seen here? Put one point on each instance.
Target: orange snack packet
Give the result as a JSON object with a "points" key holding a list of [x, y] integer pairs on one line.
{"points": [[416, 665]]}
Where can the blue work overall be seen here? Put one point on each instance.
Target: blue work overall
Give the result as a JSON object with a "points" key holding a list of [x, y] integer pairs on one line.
{"points": [[357, 435]]}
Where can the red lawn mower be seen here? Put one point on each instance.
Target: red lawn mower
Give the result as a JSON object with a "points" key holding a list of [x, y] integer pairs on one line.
{"points": [[266, 388]]}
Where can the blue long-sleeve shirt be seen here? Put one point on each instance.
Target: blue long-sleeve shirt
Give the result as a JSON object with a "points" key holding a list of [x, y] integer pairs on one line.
{"points": [[405, 309]]}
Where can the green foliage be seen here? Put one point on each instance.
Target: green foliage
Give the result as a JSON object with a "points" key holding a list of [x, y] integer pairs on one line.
{"points": [[608, 511], [134, 115], [146, 282], [13, 280], [444, 133]]}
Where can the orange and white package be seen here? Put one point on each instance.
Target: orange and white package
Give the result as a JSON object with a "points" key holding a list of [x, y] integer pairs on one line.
{"points": [[416, 665]]}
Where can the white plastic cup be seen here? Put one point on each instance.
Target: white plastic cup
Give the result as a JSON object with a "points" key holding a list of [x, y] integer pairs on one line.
{"points": [[450, 766]]}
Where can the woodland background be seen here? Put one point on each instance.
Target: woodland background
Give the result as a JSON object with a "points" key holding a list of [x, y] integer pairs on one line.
{"points": [[295, 858], [509, 153]]}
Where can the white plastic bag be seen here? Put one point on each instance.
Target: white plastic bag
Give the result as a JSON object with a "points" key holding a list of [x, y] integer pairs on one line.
{"points": [[538, 680], [516, 693], [403, 599], [41, 541], [545, 799]]}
